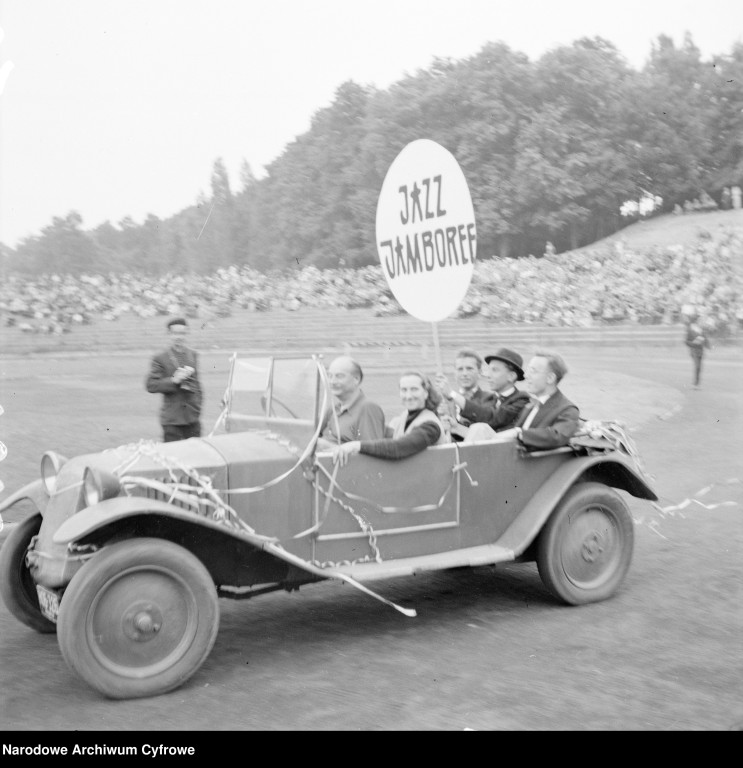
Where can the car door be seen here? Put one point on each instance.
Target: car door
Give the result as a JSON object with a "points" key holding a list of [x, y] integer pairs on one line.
{"points": [[379, 508]]}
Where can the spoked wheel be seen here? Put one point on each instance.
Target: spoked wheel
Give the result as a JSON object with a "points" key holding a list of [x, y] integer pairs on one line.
{"points": [[17, 586], [585, 549], [139, 618]]}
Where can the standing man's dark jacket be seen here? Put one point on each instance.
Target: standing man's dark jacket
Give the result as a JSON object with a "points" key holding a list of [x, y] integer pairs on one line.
{"points": [[498, 413], [555, 423], [181, 402]]}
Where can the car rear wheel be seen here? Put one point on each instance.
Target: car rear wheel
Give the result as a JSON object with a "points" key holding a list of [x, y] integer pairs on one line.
{"points": [[17, 586], [139, 618], [585, 549]]}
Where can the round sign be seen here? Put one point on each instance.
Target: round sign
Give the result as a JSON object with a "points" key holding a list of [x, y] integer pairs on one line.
{"points": [[426, 236]]}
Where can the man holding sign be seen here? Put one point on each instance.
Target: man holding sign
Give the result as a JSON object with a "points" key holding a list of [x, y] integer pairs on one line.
{"points": [[506, 404], [467, 367]]}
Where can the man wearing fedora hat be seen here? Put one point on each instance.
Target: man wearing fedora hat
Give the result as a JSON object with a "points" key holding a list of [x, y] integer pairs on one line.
{"points": [[174, 374], [500, 411]]}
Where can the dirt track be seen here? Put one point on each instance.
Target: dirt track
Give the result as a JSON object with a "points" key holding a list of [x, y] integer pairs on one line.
{"points": [[490, 649]]}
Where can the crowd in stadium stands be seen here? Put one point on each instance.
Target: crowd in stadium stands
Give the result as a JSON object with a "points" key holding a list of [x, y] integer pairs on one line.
{"points": [[607, 284]]}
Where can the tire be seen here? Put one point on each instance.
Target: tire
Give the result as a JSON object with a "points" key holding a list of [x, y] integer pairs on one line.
{"points": [[17, 585], [585, 549], [139, 618]]}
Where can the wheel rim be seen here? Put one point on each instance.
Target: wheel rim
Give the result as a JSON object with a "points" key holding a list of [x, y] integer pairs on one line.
{"points": [[142, 622], [592, 547]]}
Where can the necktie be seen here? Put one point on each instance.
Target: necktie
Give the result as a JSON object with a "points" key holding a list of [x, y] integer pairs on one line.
{"points": [[530, 416]]}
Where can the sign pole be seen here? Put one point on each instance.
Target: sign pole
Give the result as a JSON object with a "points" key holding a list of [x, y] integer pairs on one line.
{"points": [[436, 347]]}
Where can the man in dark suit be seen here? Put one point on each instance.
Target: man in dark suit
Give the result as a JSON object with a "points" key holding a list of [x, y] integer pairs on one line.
{"points": [[467, 367], [174, 373], [503, 405], [697, 341], [551, 419]]}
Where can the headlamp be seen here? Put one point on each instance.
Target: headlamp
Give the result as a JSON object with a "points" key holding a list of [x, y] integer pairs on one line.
{"points": [[51, 463], [98, 486]]}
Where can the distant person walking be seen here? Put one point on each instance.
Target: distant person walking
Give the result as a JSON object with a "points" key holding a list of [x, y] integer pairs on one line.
{"points": [[697, 341], [174, 374]]}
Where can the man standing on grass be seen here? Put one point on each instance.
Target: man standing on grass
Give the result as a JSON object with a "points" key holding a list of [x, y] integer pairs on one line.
{"points": [[697, 341], [174, 374]]}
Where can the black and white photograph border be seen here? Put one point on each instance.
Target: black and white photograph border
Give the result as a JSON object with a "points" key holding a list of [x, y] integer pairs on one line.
{"points": [[203, 166]]}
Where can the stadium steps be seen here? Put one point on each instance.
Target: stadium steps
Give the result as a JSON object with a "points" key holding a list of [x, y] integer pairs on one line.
{"points": [[326, 330]]}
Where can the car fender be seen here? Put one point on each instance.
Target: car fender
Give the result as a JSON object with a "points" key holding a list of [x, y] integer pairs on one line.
{"points": [[611, 469], [34, 492], [127, 507], [121, 508]]}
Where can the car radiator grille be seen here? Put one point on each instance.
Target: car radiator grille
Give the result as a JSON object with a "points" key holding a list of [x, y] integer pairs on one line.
{"points": [[153, 493]]}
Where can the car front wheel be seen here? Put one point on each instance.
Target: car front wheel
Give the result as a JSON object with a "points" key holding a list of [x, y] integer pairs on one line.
{"points": [[139, 618], [585, 548], [17, 586]]}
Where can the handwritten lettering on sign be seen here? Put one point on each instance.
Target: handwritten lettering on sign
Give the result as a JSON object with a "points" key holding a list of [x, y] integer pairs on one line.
{"points": [[426, 234]]}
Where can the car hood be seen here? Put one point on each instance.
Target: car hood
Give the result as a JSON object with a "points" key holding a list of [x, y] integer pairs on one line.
{"points": [[227, 461]]}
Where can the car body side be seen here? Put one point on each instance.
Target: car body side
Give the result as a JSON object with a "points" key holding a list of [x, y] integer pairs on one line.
{"points": [[445, 507]]}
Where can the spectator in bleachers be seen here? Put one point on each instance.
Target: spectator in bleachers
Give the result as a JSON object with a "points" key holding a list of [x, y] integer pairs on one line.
{"points": [[600, 285]]}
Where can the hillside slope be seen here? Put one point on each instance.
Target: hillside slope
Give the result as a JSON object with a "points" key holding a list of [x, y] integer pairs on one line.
{"points": [[674, 230]]}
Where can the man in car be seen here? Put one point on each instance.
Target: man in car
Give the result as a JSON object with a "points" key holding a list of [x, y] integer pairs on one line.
{"points": [[551, 419], [352, 416], [174, 374], [467, 367], [504, 403]]}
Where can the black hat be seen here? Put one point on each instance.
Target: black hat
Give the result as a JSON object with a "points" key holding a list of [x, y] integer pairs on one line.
{"points": [[511, 358], [177, 321]]}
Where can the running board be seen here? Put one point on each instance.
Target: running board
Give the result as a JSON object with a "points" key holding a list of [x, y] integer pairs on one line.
{"points": [[487, 554]]}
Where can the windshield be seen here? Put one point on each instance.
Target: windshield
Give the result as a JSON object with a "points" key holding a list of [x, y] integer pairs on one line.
{"points": [[275, 387]]}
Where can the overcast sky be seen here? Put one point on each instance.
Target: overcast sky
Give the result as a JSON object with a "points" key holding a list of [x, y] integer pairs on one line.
{"points": [[119, 108]]}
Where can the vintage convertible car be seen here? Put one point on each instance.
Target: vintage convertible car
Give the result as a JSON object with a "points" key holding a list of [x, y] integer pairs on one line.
{"points": [[132, 547]]}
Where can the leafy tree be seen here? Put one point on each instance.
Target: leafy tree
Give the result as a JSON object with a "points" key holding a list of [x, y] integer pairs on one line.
{"points": [[550, 149], [216, 240], [727, 141], [309, 218], [579, 143], [676, 121], [62, 247], [494, 93]]}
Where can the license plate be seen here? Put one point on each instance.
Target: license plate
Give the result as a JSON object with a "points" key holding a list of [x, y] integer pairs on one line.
{"points": [[48, 603]]}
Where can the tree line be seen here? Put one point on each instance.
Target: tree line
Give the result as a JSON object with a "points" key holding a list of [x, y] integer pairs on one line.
{"points": [[551, 150]]}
